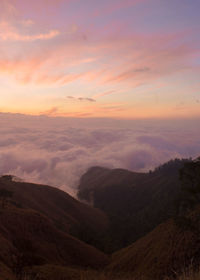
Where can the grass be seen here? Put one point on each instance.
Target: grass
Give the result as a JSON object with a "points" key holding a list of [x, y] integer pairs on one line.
{"points": [[52, 272], [190, 275], [93, 275]]}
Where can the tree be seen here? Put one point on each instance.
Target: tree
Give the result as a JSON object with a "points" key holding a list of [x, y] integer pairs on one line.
{"points": [[190, 195], [190, 180], [24, 259], [4, 196]]}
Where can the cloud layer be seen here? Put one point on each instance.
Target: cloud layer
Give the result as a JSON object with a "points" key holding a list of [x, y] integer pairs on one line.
{"points": [[57, 151]]}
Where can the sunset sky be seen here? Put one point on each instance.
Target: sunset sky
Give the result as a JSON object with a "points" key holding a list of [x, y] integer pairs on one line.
{"points": [[108, 58]]}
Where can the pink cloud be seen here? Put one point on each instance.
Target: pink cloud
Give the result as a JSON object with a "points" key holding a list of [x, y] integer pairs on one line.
{"points": [[104, 93], [9, 34], [127, 62], [8, 10], [83, 54]]}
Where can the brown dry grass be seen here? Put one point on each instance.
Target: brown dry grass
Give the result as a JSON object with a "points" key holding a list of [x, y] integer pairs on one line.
{"points": [[190, 275]]}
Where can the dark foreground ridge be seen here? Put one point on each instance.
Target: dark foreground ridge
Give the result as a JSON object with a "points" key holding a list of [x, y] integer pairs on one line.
{"points": [[45, 234], [36, 227]]}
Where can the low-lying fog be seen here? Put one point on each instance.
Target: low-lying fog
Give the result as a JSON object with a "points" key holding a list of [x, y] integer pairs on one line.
{"points": [[57, 151]]}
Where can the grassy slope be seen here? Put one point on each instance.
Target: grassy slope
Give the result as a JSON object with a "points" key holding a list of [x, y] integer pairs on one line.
{"points": [[35, 226], [31, 233], [167, 250], [67, 214], [190, 275]]}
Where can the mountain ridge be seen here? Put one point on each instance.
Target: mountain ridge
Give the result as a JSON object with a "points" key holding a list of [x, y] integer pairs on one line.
{"points": [[135, 202]]}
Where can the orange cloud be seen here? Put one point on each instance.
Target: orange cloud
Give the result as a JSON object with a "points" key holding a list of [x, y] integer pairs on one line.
{"points": [[97, 110], [15, 36], [13, 27], [104, 93], [51, 112]]}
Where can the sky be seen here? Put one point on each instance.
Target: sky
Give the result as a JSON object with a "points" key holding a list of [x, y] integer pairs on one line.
{"points": [[124, 59]]}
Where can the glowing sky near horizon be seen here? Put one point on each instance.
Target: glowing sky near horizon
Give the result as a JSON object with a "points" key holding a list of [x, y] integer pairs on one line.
{"points": [[108, 58]]}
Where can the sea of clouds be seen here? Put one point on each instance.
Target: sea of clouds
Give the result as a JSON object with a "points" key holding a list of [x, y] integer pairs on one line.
{"points": [[57, 151]]}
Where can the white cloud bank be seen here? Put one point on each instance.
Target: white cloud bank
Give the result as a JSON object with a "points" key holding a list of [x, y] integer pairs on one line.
{"points": [[57, 151]]}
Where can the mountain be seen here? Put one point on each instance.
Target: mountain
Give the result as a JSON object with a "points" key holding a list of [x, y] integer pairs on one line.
{"points": [[173, 246], [67, 213], [31, 235], [42, 229], [168, 250], [135, 202]]}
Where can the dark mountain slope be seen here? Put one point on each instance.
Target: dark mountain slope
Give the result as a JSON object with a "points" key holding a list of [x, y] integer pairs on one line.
{"points": [[27, 232], [173, 246], [6, 273], [135, 202], [67, 214], [166, 251], [100, 177], [35, 222]]}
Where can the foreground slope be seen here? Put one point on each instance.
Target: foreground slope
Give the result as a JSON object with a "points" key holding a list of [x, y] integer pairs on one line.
{"points": [[173, 246], [67, 213], [167, 250], [35, 226], [28, 232]]}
